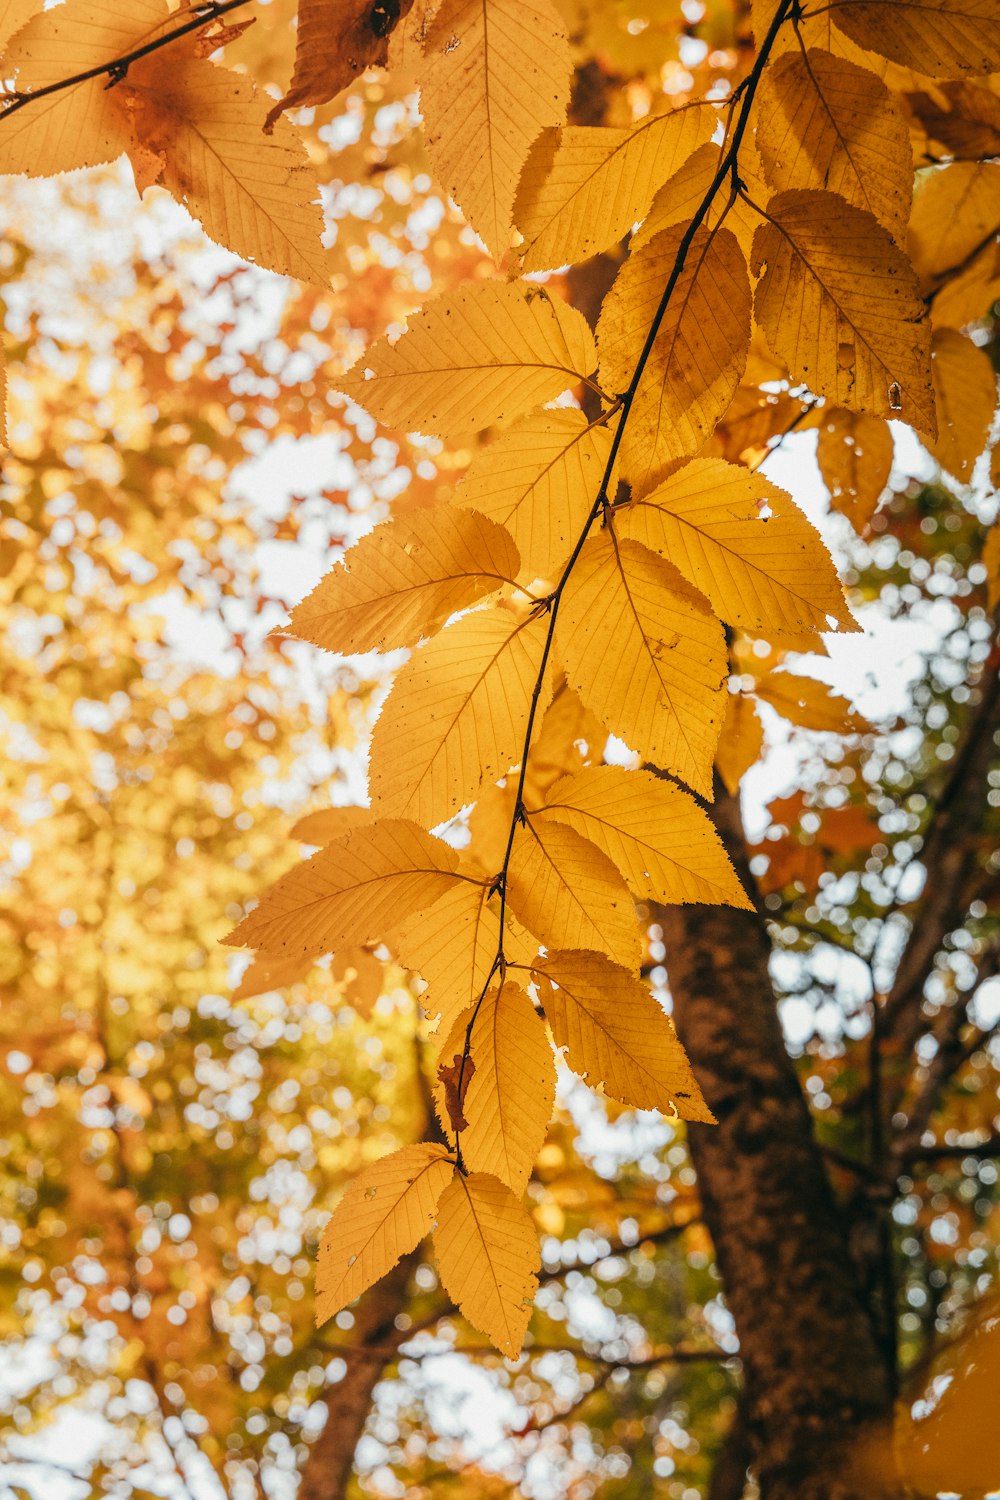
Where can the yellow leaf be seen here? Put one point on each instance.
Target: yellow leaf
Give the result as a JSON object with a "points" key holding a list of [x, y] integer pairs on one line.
{"points": [[830, 124], [568, 893], [335, 42], [955, 210], [540, 480], [404, 579], [961, 119], [267, 973], [965, 388], [839, 303], [497, 73], [509, 1100], [656, 835], [616, 1034], [487, 1254], [352, 891], [740, 742], [490, 819], [16, 13], [330, 823], [971, 291], [569, 736], [699, 353], [745, 544], [810, 704], [646, 655], [383, 1215], [583, 187], [255, 194], [991, 562], [681, 196], [484, 354], [362, 976], [457, 715], [855, 454], [452, 946], [86, 124], [945, 38]]}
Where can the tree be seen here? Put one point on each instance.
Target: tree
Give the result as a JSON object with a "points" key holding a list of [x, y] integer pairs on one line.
{"points": [[619, 565]]}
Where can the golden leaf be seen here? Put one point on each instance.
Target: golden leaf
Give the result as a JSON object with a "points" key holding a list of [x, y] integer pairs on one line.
{"points": [[334, 43], [699, 353], [16, 13], [484, 354], [961, 119], [383, 1215], [487, 1253], [351, 891], [810, 704], [656, 835], [403, 580], [830, 124], [540, 480], [616, 1034], [255, 194], [682, 195], [509, 1101], [570, 735], [965, 389], [568, 893], [855, 454], [267, 973], [971, 291], [765, 572], [955, 211], [646, 655], [583, 187], [839, 303], [330, 823], [947, 38], [85, 124], [453, 946], [362, 976], [740, 742], [497, 73], [457, 715]]}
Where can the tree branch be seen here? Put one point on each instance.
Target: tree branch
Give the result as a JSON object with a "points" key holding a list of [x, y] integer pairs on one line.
{"points": [[983, 1149], [947, 857]]}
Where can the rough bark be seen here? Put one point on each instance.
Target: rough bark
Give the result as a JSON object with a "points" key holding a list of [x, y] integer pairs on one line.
{"points": [[732, 1462], [814, 1377], [952, 849], [375, 1337]]}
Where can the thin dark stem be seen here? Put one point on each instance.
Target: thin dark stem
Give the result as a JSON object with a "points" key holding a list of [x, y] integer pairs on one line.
{"points": [[983, 1150], [727, 167], [118, 67]]}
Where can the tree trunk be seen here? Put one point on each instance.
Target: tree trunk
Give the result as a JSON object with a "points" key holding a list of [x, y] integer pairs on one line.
{"points": [[813, 1374], [327, 1470]]}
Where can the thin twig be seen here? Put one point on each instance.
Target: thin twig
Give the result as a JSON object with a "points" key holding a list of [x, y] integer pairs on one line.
{"points": [[117, 68], [728, 166]]}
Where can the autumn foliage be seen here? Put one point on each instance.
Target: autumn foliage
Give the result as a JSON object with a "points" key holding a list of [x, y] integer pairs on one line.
{"points": [[603, 595]]}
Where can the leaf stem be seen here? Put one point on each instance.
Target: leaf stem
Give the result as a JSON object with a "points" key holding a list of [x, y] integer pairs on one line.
{"points": [[623, 404]]}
